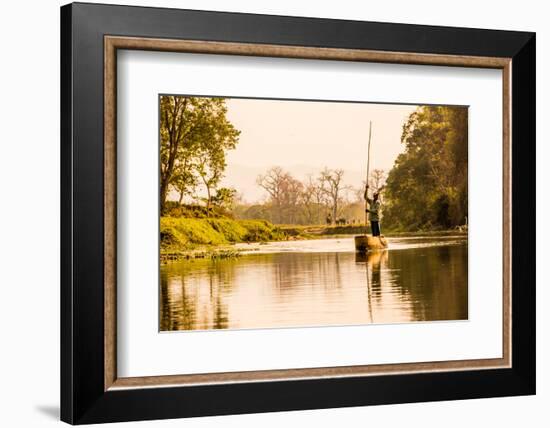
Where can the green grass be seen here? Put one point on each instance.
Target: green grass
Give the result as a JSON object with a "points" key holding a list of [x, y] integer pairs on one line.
{"points": [[182, 237], [182, 234]]}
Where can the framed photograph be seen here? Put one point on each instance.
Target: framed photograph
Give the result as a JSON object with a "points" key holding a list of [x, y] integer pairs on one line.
{"points": [[266, 213]]}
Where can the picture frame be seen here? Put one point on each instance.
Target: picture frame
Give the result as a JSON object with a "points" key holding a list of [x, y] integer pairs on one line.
{"points": [[91, 391]]}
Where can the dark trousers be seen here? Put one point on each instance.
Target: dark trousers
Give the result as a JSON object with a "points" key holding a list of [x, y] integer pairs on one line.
{"points": [[375, 228]]}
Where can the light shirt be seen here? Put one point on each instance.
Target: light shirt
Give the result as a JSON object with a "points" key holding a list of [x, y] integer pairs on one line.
{"points": [[374, 210]]}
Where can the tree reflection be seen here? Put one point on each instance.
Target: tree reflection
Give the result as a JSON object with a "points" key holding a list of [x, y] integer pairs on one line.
{"points": [[331, 288]]}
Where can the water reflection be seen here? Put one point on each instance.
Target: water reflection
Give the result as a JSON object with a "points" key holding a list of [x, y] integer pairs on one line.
{"points": [[417, 282]]}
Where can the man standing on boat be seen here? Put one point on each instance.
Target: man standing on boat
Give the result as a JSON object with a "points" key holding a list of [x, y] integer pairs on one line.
{"points": [[373, 210]]}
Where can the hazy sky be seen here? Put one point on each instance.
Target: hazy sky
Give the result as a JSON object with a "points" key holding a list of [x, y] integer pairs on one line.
{"points": [[304, 137]]}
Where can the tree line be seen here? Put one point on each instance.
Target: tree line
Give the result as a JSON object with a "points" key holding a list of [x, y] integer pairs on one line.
{"points": [[427, 188], [195, 136], [320, 199]]}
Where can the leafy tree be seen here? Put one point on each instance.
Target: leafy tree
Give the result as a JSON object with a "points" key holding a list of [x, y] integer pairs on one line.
{"points": [[224, 198], [184, 180], [194, 136], [177, 115], [428, 184]]}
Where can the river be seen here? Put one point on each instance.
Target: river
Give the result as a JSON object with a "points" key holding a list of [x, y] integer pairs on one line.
{"points": [[318, 283]]}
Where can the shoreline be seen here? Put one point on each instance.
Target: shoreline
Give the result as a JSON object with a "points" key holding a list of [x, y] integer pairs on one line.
{"points": [[218, 252]]}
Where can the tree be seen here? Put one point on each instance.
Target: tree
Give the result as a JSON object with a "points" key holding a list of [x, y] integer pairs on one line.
{"points": [[272, 182], [175, 126], [284, 194], [217, 136], [377, 180], [331, 182], [210, 165], [312, 200], [194, 136], [428, 184], [224, 198], [184, 180], [320, 198]]}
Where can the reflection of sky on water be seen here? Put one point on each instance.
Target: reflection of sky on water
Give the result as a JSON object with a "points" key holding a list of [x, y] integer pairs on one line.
{"points": [[343, 245], [314, 283]]}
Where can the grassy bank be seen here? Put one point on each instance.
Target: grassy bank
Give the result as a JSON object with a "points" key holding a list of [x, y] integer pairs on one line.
{"points": [[182, 237], [211, 237]]}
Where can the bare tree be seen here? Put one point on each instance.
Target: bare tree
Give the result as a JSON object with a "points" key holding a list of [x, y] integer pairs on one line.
{"points": [[292, 192], [284, 193], [313, 200], [320, 202], [333, 187], [272, 182], [377, 180]]}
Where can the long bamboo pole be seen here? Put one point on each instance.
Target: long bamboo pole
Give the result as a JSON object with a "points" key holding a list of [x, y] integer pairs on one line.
{"points": [[367, 182]]}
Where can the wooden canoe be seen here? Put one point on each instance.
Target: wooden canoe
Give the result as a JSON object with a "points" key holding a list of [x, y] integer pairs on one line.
{"points": [[364, 243]]}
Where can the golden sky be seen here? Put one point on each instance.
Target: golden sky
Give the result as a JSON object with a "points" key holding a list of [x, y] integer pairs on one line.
{"points": [[303, 137]]}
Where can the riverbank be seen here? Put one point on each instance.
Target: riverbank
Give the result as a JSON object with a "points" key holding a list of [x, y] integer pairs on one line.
{"points": [[215, 238], [182, 237]]}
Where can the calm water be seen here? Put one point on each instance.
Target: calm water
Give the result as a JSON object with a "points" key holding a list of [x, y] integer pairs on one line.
{"points": [[318, 282]]}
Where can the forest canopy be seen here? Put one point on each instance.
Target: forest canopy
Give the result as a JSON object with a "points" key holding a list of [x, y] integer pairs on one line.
{"points": [[427, 188]]}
